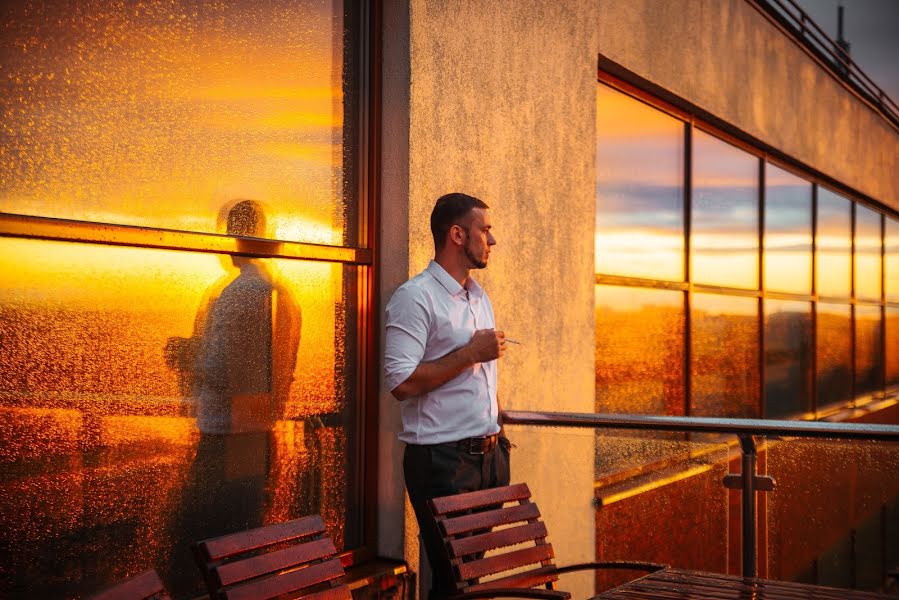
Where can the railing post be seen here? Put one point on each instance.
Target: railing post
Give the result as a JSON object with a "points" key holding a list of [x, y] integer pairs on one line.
{"points": [[750, 460], [749, 483]]}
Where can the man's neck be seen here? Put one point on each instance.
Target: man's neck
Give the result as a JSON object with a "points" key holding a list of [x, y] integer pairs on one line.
{"points": [[457, 271]]}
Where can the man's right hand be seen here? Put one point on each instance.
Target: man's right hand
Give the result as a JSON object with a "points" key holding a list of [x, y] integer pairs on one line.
{"points": [[486, 345]]}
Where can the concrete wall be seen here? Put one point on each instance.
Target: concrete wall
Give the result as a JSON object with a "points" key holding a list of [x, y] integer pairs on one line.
{"points": [[501, 105], [727, 58]]}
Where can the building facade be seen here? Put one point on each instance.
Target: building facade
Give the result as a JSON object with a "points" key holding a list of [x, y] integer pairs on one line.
{"points": [[205, 208]]}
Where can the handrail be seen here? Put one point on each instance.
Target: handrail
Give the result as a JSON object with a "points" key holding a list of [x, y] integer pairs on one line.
{"points": [[748, 481], [755, 427], [790, 14]]}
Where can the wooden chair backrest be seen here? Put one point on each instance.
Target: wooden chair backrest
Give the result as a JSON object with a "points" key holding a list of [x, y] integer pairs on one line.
{"points": [[146, 586], [468, 524], [285, 558]]}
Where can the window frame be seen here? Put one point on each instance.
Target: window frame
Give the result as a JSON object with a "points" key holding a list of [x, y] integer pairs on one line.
{"points": [[622, 80], [363, 22]]}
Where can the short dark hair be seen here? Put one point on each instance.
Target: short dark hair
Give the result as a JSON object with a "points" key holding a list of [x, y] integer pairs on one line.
{"points": [[448, 211]]}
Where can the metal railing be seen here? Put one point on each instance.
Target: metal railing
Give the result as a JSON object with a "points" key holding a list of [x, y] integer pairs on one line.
{"points": [[800, 24], [748, 480]]}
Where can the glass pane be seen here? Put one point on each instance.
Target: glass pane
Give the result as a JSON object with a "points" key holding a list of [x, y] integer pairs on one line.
{"points": [[833, 518], [833, 244], [868, 355], [161, 113], [639, 350], [639, 190], [152, 398], [892, 345], [788, 232], [834, 352], [891, 262], [724, 359], [672, 487], [788, 358], [724, 235], [867, 253]]}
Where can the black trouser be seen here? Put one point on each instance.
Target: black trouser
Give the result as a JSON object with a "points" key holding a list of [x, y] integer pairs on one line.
{"points": [[441, 470]]}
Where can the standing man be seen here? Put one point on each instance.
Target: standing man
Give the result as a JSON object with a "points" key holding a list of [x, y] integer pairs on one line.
{"points": [[440, 363]]}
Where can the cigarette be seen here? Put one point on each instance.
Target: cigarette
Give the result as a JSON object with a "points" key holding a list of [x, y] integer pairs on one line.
{"points": [[511, 341]]}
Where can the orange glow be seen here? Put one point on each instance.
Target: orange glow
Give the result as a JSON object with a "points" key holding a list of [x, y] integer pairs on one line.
{"points": [[161, 115]]}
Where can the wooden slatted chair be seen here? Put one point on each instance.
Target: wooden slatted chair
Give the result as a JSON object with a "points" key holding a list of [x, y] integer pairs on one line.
{"points": [[296, 557], [146, 586], [468, 525]]}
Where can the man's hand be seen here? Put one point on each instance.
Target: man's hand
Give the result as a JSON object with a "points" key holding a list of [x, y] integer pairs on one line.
{"points": [[486, 345]]}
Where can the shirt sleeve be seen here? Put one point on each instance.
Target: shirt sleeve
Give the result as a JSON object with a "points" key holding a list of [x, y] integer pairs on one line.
{"points": [[408, 321]]}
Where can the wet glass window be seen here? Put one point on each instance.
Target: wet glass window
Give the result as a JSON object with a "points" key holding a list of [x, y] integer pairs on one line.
{"points": [[833, 353], [788, 358], [892, 345], [891, 259], [153, 398], [724, 241], [159, 113], [724, 360], [868, 352], [639, 190], [833, 244], [639, 350], [867, 253], [787, 240]]}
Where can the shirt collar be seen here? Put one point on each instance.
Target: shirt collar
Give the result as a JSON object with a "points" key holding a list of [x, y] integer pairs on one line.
{"points": [[450, 284]]}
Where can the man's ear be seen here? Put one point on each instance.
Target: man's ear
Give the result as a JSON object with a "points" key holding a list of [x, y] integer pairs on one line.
{"points": [[457, 235]]}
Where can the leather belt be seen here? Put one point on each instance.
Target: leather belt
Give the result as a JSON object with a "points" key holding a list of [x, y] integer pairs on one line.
{"points": [[478, 445]]}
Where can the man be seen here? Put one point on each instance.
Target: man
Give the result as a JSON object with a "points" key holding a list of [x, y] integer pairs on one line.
{"points": [[440, 363]]}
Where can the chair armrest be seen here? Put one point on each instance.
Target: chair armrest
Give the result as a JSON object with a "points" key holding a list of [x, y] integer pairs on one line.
{"points": [[618, 564], [513, 593]]}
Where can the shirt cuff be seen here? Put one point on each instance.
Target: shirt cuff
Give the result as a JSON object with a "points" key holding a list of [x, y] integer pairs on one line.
{"points": [[397, 376]]}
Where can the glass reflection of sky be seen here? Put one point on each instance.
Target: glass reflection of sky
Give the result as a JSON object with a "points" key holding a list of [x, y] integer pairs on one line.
{"points": [[639, 195], [724, 359], [833, 352], [724, 231], [892, 345], [867, 253], [891, 260], [788, 232], [639, 350], [833, 244], [158, 114], [788, 357], [868, 357]]}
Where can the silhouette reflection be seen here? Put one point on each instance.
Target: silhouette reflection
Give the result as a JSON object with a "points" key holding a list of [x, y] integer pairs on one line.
{"points": [[239, 364]]}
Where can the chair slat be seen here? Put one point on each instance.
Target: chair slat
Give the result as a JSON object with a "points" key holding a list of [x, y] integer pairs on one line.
{"points": [[480, 499], [505, 562], [285, 583], [139, 587], [237, 543], [532, 578], [497, 539], [264, 564], [489, 518]]}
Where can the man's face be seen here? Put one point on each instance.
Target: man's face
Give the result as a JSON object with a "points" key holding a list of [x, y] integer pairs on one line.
{"points": [[478, 238]]}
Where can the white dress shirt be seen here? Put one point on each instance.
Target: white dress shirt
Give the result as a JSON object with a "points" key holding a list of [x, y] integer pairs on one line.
{"points": [[428, 317]]}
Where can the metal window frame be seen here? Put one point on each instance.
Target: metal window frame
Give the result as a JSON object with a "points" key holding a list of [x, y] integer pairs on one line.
{"points": [[614, 75], [366, 27]]}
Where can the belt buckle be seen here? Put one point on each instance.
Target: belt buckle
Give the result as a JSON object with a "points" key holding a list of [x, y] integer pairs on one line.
{"points": [[483, 442]]}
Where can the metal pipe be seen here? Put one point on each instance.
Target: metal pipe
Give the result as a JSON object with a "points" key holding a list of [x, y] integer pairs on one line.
{"points": [[756, 427], [750, 459]]}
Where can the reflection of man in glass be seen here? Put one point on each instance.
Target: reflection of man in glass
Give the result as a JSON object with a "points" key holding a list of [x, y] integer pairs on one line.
{"points": [[244, 352]]}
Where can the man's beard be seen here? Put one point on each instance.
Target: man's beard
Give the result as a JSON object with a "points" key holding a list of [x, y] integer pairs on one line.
{"points": [[476, 263]]}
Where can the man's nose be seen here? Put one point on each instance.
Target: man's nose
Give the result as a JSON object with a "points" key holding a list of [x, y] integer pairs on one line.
{"points": [[491, 241]]}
